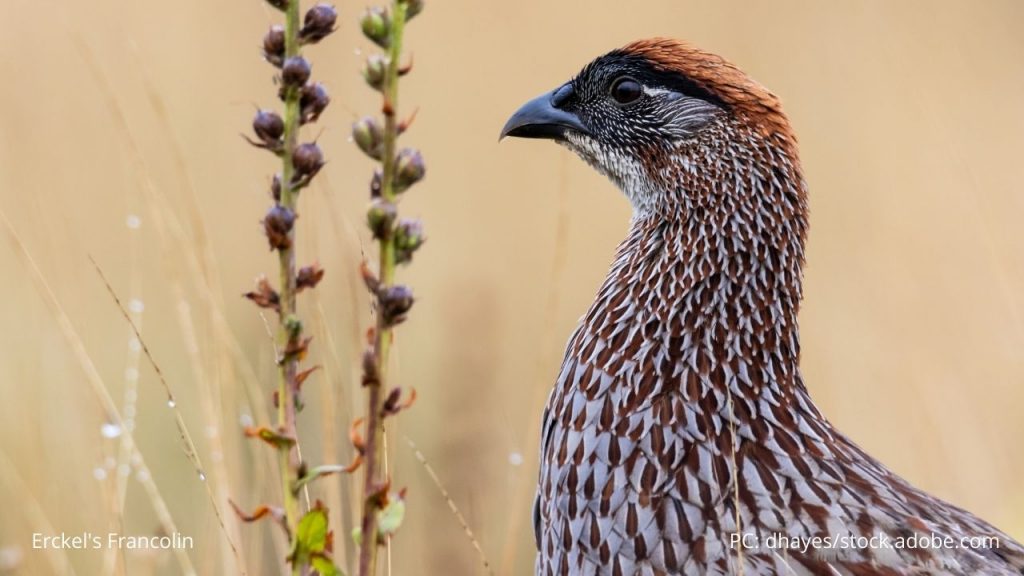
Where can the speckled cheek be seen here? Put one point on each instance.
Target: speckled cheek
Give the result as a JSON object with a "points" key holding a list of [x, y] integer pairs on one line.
{"points": [[627, 172]]}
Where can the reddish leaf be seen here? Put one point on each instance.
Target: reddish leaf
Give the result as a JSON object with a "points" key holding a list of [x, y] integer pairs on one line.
{"points": [[308, 277], [264, 296]]}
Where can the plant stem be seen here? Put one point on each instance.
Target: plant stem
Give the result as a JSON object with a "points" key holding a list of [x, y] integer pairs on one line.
{"points": [[287, 457], [375, 418]]}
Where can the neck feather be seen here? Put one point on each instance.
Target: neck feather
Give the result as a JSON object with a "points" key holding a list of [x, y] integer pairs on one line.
{"points": [[710, 272]]}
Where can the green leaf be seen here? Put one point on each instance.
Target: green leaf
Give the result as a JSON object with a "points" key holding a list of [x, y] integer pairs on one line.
{"points": [[312, 532], [324, 566], [391, 516], [313, 542]]}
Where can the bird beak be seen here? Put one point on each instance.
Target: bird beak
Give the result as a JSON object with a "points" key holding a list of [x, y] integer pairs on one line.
{"points": [[539, 118]]}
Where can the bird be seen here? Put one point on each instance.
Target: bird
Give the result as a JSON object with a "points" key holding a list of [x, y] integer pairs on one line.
{"points": [[680, 437]]}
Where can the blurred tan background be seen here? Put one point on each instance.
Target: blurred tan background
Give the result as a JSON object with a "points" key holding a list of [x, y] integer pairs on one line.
{"points": [[119, 126]]}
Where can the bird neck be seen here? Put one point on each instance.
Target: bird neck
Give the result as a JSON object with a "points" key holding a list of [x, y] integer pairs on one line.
{"points": [[712, 278]]}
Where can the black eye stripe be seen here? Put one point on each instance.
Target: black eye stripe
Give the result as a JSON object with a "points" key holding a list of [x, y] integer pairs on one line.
{"points": [[596, 74]]}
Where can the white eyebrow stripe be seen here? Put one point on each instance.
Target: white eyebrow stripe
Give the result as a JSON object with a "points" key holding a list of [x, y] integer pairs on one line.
{"points": [[654, 91]]}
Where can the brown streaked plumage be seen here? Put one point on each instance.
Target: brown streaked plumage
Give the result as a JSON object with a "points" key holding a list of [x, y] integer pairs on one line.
{"points": [[680, 417]]}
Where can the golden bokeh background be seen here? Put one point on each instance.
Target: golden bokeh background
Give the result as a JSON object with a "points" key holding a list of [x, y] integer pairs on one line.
{"points": [[911, 127]]}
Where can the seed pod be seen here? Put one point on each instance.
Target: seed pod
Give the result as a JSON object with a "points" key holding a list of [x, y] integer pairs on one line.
{"points": [[412, 8], [269, 128], [273, 45], [278, 225], [395, 303], [308, 277], [409, 169], [408, 239], [318, 24], [381, 217], [308, 160], [313, 102], [369, 136], [376, 71], [264, 295], [295, 72], [376, 24]]}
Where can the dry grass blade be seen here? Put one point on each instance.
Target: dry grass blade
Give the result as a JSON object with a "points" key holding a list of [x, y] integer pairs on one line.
{"points": [[96, 383], [201, 264], [37, 518], [188, 446], [451, 504]]}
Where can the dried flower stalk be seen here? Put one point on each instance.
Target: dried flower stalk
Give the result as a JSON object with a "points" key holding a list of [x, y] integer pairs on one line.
{"points": [[309, 540], [398, 239]]}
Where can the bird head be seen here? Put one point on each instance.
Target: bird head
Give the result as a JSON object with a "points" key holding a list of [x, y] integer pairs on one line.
{"points": [[667, 123]]}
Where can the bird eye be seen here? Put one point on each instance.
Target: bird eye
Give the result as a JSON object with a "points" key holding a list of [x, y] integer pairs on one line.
{"points": [[626, 90]]}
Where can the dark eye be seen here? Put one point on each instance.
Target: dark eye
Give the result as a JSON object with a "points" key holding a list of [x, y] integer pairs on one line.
{"points": [[626, 90]]}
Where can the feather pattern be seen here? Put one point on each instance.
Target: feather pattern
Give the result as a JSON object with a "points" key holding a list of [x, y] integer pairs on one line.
{"points": [[680, 420]]}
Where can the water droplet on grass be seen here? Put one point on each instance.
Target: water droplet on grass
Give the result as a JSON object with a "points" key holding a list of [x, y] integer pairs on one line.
{"points": [[109, 430]]}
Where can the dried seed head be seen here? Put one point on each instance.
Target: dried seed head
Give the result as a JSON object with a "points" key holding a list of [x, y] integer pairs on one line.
{"points": [[273, 45], [376, 24], [381, 218], [313, 102], [395, 303], [264, 295], [278, 225], [269, 128], [308, 277], [409, 169], [368, 134], [376, 71], [295, 72], [308, 160], [412, 8], [319, 24], [408, 239]]}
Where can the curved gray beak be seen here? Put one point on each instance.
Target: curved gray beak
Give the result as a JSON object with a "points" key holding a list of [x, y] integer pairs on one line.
{"points": [[540, 118]]}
